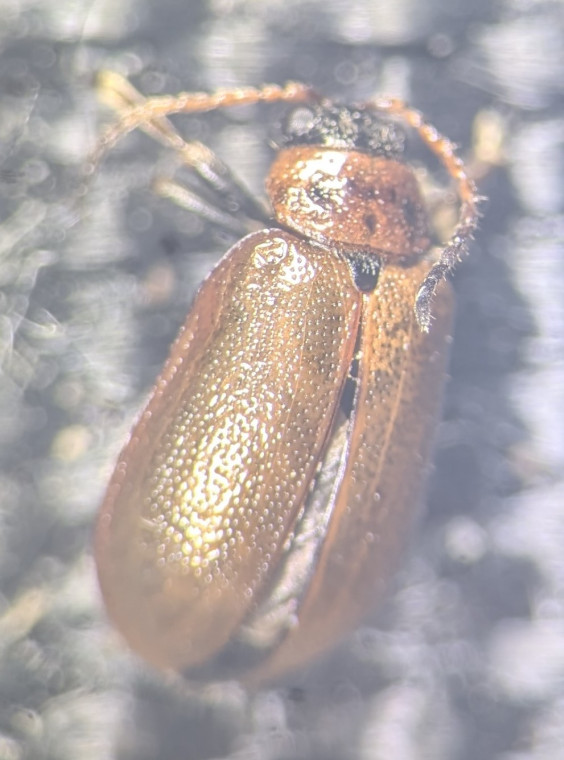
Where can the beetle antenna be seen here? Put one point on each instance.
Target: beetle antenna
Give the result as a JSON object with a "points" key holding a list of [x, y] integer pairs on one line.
{"points": [[469, 213], [149, 113]]}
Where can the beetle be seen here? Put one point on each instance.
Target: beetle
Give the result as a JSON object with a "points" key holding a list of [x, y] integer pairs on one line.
{"points": [[260, 504]]}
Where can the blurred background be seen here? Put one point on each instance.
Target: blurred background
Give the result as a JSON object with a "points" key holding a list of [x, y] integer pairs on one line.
{"points": [[466, 659]]}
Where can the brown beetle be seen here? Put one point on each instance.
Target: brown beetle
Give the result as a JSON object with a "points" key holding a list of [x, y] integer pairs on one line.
{"points": [[259, 506]]}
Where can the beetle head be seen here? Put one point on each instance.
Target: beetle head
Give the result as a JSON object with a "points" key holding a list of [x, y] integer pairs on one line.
{"points": [[336, 126]]}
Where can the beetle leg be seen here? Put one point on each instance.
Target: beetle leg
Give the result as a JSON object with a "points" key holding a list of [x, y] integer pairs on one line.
{"points": [[469, 214], [195, 204], [118, 93]]}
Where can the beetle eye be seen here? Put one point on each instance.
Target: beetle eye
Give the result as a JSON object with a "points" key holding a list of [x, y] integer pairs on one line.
{"points": [[299, 123]]}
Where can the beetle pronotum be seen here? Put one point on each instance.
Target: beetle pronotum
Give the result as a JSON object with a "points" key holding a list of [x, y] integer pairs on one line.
{"points": [[260, 503]]}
